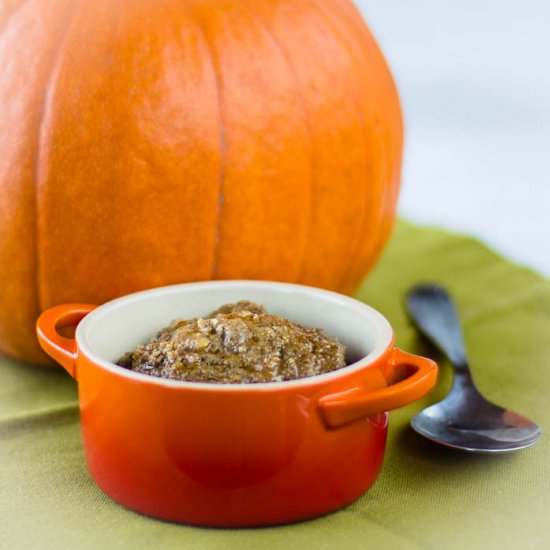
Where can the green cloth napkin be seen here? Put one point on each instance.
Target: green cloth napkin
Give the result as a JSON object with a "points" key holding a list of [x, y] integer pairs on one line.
{"points": [[426, 496]]}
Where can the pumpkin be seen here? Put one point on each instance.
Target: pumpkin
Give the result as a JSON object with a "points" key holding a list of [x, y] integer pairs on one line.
{"points": [[151, 142]]}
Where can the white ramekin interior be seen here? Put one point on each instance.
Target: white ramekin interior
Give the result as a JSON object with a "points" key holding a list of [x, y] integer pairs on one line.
{"points": [[119, 326]]}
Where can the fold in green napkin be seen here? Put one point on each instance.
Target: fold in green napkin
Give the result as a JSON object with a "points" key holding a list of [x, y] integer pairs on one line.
{"points": [[426, 497]]}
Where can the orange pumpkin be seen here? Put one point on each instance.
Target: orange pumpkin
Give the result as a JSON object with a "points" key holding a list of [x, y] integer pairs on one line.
{"points": [[150, 142]]}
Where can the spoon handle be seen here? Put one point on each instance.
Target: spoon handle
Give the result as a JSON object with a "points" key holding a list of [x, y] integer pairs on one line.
{"points": [[433, 311]]}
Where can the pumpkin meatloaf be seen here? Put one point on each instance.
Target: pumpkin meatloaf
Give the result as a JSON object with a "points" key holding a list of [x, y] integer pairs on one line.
{"points": [[237, 343]]}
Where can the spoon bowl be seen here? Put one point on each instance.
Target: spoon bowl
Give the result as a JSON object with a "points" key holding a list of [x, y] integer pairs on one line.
{"points": [[495, 429], [464, 419]]}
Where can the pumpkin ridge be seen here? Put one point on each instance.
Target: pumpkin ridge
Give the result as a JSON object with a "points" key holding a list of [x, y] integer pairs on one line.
{"points": [[307, 125], [342, 283], [389, 193], [265, 164], [46, 101], [361, 222], [222, 143], [380, 232]]}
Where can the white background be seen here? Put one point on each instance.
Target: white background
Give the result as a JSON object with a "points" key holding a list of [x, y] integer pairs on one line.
{"points": [[474, 78]]}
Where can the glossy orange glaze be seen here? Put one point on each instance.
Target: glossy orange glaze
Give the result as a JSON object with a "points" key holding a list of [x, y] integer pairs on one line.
{"points": [[169, 141], [235, 457]]}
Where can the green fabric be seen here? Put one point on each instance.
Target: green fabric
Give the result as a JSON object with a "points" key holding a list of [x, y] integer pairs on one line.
{"points": [[426, 497]]}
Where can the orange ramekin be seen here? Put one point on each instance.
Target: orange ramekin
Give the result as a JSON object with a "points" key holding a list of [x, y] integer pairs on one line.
{"points": [[233, 454]]}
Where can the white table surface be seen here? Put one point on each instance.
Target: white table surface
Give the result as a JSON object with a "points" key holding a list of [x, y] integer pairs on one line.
{"points": [[474, 78]]}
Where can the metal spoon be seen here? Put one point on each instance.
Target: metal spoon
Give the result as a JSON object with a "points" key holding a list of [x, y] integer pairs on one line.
{"points": [[464, 419]]}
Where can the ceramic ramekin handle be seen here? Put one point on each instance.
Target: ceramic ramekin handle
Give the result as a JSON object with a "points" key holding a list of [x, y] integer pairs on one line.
{"points": [[62, 349], [409, 377]]}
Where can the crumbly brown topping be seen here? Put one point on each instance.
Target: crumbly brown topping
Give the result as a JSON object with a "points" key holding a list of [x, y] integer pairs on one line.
{"points": [[237, 343]]}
